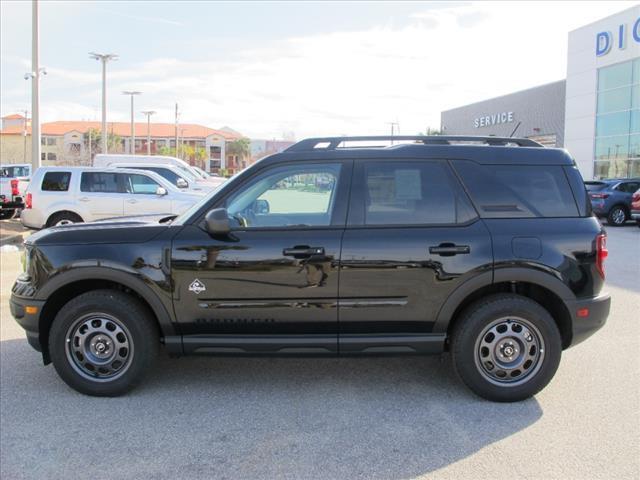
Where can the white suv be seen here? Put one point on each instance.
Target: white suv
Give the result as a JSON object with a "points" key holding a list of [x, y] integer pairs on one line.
{"points": [[62, 195]]}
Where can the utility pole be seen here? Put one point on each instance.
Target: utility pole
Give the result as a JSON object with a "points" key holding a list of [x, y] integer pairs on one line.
{"points": [[35, 87], [176, 129], [148, 113], [104, 58], [132, 144]]}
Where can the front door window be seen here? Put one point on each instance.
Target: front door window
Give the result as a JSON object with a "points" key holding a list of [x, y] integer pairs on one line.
{"points": [[287, 197]]}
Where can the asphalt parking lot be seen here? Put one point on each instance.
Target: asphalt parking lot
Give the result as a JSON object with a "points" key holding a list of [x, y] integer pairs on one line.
{"points": [[374, 418]]}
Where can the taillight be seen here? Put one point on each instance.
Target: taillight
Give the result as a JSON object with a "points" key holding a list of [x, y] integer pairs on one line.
{"points": [[28, 201], [599, 195], [636, 197], [601, 252], [14, 187]]}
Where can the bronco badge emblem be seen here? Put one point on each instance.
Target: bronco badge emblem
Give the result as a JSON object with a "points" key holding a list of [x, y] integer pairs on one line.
{"points": [[197, 287]]}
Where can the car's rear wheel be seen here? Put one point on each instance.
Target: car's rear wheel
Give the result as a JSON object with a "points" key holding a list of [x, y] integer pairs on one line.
{"points": [[506, 347], [63, 218], [617, 216], [101, 342]]}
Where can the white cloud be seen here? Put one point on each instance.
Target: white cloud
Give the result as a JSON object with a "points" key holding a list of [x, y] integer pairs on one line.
{"points": [[346, 82]]}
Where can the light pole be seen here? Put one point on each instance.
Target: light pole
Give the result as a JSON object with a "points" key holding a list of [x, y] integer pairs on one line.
{"points": [[35, 117], [104, 58], [148, 113], [132, 145]]}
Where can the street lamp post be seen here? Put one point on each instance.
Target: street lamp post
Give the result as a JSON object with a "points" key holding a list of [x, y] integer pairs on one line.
{"points": [[148, 113], [132, 145], [104, 58]]}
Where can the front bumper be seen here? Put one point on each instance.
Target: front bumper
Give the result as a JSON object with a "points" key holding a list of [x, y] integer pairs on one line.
{"points": [[29, 321], [598, 311]]}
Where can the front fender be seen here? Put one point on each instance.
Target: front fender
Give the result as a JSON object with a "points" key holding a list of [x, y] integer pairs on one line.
{"points": [[120, 274]]}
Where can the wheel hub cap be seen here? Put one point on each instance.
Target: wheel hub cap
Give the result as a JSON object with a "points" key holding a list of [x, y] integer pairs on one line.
{"points": [[98, 347], [509, 351]]}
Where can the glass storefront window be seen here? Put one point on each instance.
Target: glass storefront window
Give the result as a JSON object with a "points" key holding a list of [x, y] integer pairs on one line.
{"points": [[615, 76], [612, 124], [614, 100], [617, 145], [635, 96], [635, 121], [636, 70]]}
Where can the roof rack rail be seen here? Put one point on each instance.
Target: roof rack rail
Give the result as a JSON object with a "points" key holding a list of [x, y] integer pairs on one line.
{"points": [[332, 143]]}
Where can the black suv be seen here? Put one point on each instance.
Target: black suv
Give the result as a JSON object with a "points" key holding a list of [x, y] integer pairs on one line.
{"points": [[483, 247]]}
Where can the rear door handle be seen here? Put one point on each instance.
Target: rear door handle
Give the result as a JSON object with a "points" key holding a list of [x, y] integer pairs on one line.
{"points": [[83, 199], [449, 249], [133, 200], [302, 251]]}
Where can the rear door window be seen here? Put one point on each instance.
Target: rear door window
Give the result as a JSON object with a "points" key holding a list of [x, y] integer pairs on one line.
{"points": [[518, 191], [99, 182], [628, 187], [56, 181], [410, 193]]}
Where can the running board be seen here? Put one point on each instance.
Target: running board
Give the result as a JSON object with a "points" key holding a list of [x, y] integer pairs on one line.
{"points": [[348, 344]]}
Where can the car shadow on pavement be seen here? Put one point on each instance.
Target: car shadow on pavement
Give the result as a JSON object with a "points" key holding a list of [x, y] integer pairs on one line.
{"points": [[216, 417]]}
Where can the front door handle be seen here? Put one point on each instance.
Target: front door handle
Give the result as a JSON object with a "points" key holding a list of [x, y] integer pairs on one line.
{"points": [[302, 251], [133, 200], [83, 199], [449, 249]]}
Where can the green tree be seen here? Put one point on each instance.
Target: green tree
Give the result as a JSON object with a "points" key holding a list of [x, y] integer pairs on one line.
{"points": [[93, 139], [240, 147]]}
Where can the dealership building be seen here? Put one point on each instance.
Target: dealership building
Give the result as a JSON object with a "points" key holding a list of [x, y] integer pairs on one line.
{"points": [[594, 113]]}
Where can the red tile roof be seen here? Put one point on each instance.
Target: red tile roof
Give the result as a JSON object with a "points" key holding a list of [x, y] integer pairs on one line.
{"points": [[14, 116], [123, 129]]}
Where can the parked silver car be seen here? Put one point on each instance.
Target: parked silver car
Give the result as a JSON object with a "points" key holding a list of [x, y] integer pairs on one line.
{"points": [[63, 195]]}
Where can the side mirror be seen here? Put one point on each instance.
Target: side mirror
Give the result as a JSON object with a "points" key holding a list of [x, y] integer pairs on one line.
{"points": [[217, 221], [261, 207], [161, 191], [182, 183]]}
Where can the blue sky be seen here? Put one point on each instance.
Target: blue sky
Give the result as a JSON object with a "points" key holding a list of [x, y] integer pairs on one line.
{"points": [[268, 68]]}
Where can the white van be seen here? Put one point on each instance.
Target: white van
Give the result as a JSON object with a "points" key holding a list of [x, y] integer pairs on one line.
{"points": [[178, 177], [108, 159]]}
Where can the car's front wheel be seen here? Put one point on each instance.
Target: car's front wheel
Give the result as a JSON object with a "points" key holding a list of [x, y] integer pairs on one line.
{"points": [[102, 341], [506, 347]]}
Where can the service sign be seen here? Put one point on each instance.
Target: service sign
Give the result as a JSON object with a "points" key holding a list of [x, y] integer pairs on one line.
{"points": [[493, 119]]}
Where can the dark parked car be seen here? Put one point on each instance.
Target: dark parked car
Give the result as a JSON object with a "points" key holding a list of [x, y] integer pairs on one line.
{"points": [[481, 246], [611, 198], [635, 207]]}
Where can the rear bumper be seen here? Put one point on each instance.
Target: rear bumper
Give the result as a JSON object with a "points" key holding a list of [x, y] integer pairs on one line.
{"points": [[598, 311], [30, 322], [635, 214]]}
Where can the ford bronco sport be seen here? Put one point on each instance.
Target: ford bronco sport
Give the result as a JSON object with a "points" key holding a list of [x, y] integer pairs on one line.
{"points": [[481, 246]]}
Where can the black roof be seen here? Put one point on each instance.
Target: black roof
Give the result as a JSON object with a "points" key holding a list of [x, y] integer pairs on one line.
{"points": [[483, 150]]}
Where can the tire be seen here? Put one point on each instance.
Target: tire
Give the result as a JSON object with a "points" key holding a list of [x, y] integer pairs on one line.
{"points": [[617, 216], [7, 214], [537, 331], [63, 218], [114, 321]]}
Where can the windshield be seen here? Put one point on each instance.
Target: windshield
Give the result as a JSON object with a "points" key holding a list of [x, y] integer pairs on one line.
{"points": [[184, 216]]}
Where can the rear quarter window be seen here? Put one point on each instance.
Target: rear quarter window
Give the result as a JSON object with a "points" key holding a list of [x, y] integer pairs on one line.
{"points": [[518, 191], [56, 181]]}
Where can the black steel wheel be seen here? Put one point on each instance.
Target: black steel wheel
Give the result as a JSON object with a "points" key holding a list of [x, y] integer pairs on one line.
{"points": [[506, 347], [102, 342]]}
